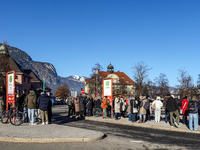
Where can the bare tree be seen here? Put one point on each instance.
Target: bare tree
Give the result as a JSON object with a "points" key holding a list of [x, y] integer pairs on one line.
{"points": [[99, 79], [186, 83], [141, 72], [163, 85]]}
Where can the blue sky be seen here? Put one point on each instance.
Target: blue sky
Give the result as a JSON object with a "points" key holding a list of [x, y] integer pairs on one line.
{"points": [[73, 35]]}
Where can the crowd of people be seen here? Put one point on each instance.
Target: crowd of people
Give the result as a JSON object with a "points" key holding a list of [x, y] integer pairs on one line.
{"points": [[139, 110], [33, 107]]}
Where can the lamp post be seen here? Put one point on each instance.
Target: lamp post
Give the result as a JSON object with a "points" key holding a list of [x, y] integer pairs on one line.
{"points": [[96, 72]]}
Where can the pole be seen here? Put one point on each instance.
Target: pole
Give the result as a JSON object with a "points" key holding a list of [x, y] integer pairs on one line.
{"points": [[43, 84], [96, 85]]}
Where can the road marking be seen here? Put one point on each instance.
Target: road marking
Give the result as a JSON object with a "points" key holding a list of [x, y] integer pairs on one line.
{"points": [[136, 141]]}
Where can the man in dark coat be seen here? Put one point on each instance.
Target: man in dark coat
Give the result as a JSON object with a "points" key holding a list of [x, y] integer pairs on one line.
{"points": [[81, 105], [172, 107], [89, 105], [43, 102]]}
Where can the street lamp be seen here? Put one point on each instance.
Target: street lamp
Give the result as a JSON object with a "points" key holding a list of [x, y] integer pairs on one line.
{"points": [[96, 72]]}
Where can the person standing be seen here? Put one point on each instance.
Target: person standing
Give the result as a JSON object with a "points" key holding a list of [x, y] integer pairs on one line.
{"points": [[172, 107], [82, 105], [123, 107], [164, 104], [77, 107], [43, 103], [117, 107], [2, 105], [132, 109], [142, 110], [89, 104], [192, 108], [69, 104], [158, 105], [184, 105], [105, 106], [31, 105]]}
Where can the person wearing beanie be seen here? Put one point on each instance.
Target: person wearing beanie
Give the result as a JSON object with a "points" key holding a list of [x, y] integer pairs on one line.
{"points": [[31, 105], [192, 108], [172, 107]]}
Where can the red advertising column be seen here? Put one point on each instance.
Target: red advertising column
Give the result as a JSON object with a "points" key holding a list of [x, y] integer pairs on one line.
{"points": [[10, 85], [108, 91]]}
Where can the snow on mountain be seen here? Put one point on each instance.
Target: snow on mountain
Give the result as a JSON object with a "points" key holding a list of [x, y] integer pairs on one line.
{"points": [[77, 78]]}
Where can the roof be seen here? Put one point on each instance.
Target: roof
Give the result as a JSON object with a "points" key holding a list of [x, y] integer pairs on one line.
{"points": [[119, 74], [32, 74], [14, 66]]}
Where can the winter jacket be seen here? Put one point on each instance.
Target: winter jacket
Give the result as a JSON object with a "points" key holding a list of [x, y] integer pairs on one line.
{"points": [[143, 111], [98, 103], [31, 101], [117, 105], [122, 105], [158, 104], [130, 106], [171, 104], [2, 105], [184, 106], [165, 101], [69, 101], [190, 102], [43, 102], [77, 106], [105, 103], [81, 103], [89, 103]]}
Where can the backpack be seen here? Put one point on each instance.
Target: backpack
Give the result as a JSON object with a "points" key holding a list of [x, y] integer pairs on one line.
{"points": [[146, 105], [193, 108]]}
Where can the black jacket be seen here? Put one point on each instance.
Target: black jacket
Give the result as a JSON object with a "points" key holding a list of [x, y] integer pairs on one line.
{"points": [[89, 103], [190, 103], [43, 102], [171, 104]]}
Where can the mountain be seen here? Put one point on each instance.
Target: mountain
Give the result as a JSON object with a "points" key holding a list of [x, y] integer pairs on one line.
{"points": [[46, 70]]}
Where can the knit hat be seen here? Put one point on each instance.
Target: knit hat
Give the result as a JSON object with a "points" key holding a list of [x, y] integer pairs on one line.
{"points": [[158, 98], [194, 97]]}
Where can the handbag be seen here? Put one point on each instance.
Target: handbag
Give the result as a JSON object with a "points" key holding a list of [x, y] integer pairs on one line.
{"points": [[154, 106]]}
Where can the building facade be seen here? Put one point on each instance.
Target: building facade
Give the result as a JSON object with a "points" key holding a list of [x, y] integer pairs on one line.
{"points": [[122, 84]]}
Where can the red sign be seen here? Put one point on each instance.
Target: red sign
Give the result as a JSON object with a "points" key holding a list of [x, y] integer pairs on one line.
{"points": [[83, 91]]}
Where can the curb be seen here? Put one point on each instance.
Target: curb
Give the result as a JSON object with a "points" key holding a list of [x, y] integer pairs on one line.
{"points": [[51, 140], [145, 126]]}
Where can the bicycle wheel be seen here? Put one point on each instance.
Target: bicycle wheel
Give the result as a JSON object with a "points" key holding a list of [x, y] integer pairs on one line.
{"points": [[5, 116], [17, 118]]}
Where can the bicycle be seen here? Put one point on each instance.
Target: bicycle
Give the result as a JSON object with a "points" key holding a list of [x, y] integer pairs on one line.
{"points": [[97, 112], [13, 115]]}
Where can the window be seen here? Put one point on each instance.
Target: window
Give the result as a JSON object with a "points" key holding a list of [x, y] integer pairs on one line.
{"points": [[16, 77], [28, 80], [24, 79]]}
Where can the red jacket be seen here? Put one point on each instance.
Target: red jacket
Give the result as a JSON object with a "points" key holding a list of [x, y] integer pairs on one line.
{"points": [[184, 104]]}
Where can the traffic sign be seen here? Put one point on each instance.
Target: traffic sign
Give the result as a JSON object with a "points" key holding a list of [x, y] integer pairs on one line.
{"points": [[83, 91]]}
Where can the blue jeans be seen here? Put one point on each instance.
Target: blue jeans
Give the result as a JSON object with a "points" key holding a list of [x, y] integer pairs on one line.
{"points": [[25, 111], [31, 115], [129, 117], [116, 115], [133, 117], [166, 112], [89, 111], [144, 116], [193, 118]]}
